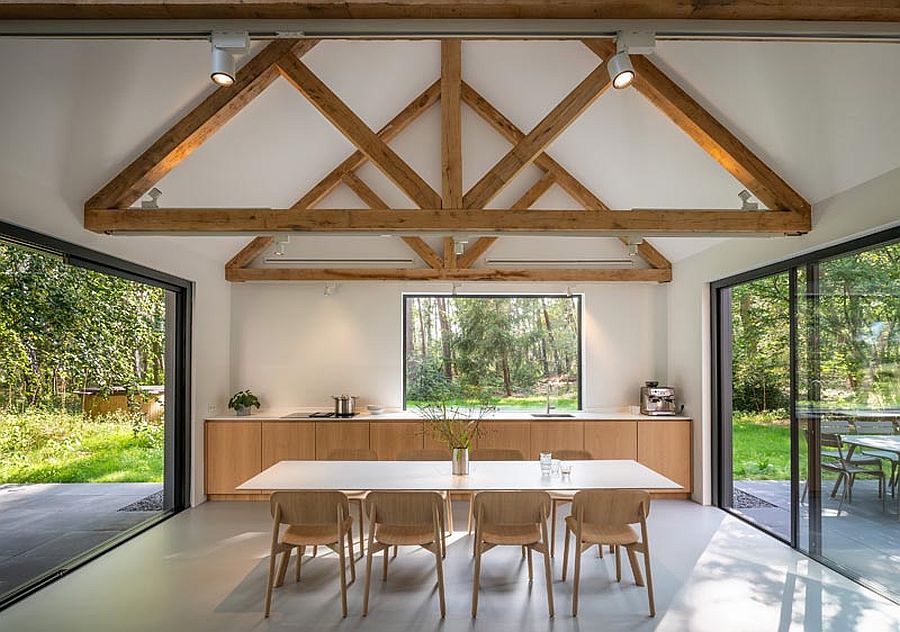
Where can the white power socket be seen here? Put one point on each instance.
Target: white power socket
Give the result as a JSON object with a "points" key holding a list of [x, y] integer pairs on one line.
{"points": [[212, 409]]}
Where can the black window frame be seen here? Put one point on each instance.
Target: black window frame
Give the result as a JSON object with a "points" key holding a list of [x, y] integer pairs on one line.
{"points": [[720, 462], [177, 440], [579, 297]]}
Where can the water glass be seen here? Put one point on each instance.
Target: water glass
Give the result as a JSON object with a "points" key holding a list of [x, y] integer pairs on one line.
{"points": [[546, 462], [554, 467], [565, 468]]}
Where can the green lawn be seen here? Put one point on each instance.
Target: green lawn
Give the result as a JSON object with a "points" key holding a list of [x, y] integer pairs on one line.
{"points": [[44, 447], [762, 450], [536, 403]]}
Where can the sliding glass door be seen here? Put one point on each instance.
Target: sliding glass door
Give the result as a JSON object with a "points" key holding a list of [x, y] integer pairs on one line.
{"points": [[814, 461]]}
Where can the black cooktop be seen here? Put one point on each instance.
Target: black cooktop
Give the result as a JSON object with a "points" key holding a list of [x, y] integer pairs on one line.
{"points": [[332, 414]]}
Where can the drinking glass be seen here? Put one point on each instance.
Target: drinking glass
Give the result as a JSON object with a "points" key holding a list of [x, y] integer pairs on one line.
{"points": [[554, 467], [546, 462], [565, 468]]}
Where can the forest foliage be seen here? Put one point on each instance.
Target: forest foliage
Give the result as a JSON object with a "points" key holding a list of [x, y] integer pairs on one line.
{"points": [[509, 350], [64, 328]]}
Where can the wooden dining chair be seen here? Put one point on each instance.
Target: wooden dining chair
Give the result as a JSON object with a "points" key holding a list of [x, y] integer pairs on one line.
{"points": [[404, 519], [355, 496], [515, 519], [312, 519], [489, 454], [563, 496], [892, 458], [432, 454], [605, 516]]}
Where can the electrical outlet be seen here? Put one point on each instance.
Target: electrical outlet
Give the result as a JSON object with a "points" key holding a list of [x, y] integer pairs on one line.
{"points": [[212, 409]]}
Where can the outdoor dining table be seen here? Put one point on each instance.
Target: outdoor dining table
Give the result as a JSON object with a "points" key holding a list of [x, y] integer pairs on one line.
{"points": [[888, 443], [437, 476]]}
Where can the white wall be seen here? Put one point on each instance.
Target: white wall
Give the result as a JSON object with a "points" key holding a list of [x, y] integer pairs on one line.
{"points": [[295, 346], [863, 209]]}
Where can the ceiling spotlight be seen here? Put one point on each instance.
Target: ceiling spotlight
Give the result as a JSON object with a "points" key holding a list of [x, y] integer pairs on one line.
{"points": [[280, 243], [454, 288], [330, 288], [746, 204], [460, 247], [628, 43], [154, 194], [633, 243], [569, 291], [224, 47]]}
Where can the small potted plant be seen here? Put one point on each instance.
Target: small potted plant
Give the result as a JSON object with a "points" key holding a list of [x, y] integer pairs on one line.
{"points": [[457, 425], [242, 401]]}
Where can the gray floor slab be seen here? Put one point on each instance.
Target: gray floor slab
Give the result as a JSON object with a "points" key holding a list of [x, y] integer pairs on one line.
{"points": [[204, 570]]}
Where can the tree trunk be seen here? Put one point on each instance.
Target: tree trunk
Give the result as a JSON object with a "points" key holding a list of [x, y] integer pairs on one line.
{"points": [[551, 338], [446, 354]]}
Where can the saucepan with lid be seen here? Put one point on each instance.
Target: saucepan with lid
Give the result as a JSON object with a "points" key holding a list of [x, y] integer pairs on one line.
{"points": [[344, 405]]}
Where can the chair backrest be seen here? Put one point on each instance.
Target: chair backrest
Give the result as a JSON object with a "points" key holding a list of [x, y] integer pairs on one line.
{"points": [[496, 454], [830, 432], [403, 508], [874, 427], [611, 507], [308, 508], [573, 455], [427, 454], [512, 508], [351, 454]]}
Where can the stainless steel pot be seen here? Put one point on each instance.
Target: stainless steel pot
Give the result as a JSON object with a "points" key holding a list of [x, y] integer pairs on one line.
{"points": [[344, 405]]}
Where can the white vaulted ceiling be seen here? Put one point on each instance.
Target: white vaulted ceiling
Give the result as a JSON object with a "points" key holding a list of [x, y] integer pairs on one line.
{"points": [[73, 113]]}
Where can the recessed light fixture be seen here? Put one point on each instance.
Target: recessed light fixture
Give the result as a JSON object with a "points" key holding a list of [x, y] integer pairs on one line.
{"points": [[224, 47], [628, 43]]}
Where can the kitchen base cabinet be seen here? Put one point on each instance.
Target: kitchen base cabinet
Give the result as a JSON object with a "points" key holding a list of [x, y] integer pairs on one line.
{"points": [[388, 439], [287, 442], [233, 455], [335, 435], [506, 434], [665, 446], [611, 439], [553, 436]]}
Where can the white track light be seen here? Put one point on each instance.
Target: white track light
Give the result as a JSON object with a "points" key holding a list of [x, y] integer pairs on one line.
{"points": [[224, 47], [628, 43], [620, 70]]}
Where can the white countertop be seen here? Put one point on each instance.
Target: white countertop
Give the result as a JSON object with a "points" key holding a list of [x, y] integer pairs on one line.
{"points": [[436, 475], [395, 414]]}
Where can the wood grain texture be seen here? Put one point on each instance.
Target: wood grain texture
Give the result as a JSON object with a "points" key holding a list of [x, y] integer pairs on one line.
{"points": [[287, 442], [426, 252], [357, 132], [645, 222], [611, 439], [249, 252], [552, 436], [586, 275], [665, 447], [533, 144], [705, 130], [474, 251], [233, 454], [449, 254], [451, 126], [363, 191], [813, 10], [336, 435], [194, 128], [534, 192], [407, 115], [515, 435], [388, 439]]}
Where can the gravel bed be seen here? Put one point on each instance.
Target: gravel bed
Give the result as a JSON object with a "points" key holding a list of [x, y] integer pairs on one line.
{"points": [[153, 502], [743, 500]]}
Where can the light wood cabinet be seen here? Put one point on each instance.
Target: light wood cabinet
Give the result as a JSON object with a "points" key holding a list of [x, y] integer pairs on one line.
{"points": [[287, 442], [506, 434], [331, 435], [388, 439], [665, 446], [552, 436], [233, 455], [611, 439]]}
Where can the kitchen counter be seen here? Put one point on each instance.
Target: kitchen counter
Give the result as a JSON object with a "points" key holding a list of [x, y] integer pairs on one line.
{"points": [[302, 415]]}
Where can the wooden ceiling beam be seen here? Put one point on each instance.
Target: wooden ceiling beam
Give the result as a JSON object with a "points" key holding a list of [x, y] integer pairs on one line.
{"points": [[451, 126], [460, 274], [249, 252], [357, 132], [449, 254], [813, 10], [363, 191], [534, 192], [194, 128], [643, 222], [533, 144], [426, 252], [474, 252], [705, 130]]}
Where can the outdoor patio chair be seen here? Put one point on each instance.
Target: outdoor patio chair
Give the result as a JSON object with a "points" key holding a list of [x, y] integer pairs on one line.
{"points": [[881, 428]]}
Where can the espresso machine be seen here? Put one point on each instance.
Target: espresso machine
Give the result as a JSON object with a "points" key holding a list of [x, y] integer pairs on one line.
{"points": [[657, 400]]}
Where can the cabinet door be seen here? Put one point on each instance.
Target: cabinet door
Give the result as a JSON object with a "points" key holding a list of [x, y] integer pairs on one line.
{"points": [[665, 447], [389, 438], [611, 439], [507, 434], [331, 435], [287, 441], [552, 436], [232, 454]]}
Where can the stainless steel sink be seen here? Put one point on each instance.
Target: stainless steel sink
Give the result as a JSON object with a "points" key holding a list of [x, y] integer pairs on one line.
{"points": [[552, 415]]}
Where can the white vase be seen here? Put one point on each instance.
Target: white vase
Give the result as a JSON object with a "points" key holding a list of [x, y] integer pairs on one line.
{"points": [[243, 412], [460, 457]]}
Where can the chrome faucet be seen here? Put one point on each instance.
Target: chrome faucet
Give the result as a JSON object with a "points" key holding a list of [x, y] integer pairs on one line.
{"points": [[549, 390]]}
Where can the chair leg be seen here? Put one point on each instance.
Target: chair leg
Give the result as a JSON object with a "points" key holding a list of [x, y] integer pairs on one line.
{"points": [[565, 567], [352, 555], [300, 551], [530, 567], [618, 565], [650, 598], [470, 518], [553, 506], [396, 548], [361, 532], [476, 580], [523, 552], [315, 550], [548, 568], [635, 567], [577, 578], [449, 515], [282, 568], [384, 563], [343, 562], [270, 581], [368, 577], [439, 567]]}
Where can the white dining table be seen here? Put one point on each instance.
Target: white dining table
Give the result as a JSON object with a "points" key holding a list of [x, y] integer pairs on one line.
{"points": [[437, 476], [887, 443]]}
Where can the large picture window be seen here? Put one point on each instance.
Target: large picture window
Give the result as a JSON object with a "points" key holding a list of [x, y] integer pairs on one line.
{"points": [[516, 351]]}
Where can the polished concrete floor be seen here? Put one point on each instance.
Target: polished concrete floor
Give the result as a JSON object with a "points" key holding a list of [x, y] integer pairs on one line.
{"points": [[205, 570], [45, 525]]}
